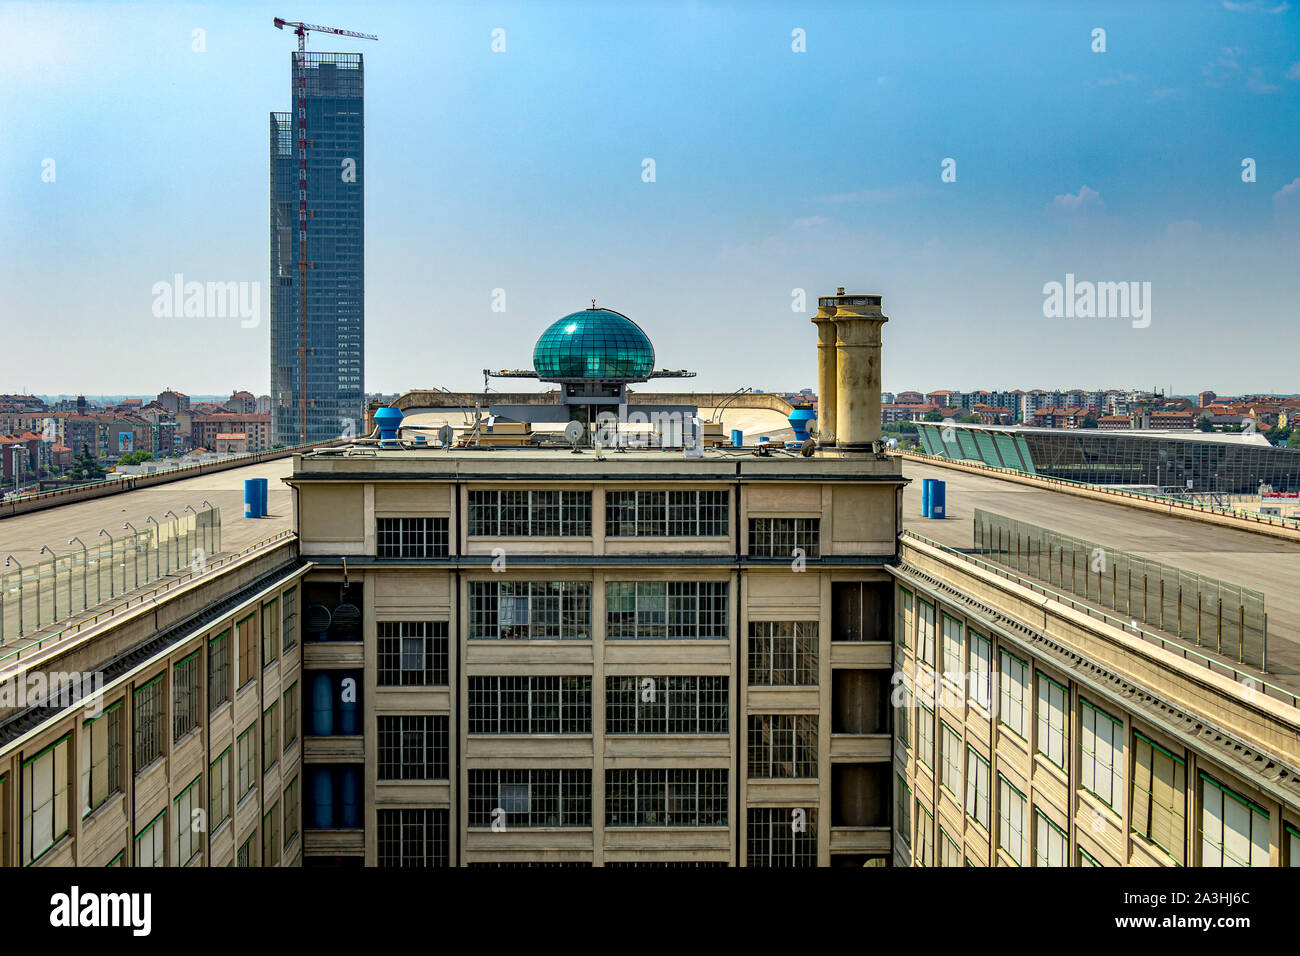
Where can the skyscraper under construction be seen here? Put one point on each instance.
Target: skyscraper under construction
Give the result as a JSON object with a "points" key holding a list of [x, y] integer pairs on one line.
{"points": [[318, 340]]}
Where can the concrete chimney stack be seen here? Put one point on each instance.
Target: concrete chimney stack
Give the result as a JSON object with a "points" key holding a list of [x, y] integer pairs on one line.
{"points": [[827, 371], [858, 322]]}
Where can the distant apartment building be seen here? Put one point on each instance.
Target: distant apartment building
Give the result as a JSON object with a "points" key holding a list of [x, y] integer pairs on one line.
{"points": [[256, 429], [173, 401], [242, 403], [1172, 420], [1055, 417]]}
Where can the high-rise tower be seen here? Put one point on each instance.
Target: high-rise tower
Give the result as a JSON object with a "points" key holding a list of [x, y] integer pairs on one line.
{"points": [[320, 363]]}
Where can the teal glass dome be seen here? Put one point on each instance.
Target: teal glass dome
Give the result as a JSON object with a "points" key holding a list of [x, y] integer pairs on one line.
{"points": [[594, 344]]}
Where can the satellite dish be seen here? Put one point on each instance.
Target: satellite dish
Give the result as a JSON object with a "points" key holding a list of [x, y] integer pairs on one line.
{"points": [[573, 433], [445, 434]]}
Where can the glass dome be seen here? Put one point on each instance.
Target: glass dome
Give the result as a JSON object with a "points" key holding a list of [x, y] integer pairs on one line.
{"points": [[594, 343]]}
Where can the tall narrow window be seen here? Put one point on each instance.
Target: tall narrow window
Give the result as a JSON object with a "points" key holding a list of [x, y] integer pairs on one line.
{"points": [[185, 688], [218, 670], [189, 840], [1011, 820], [219, 790], [1102, 747], [1053, 722], [247, 632], [151, 842], [101, 758], [289, 622], [270, 632], [1159, 810], [46, 810], [977, 787], [1013, 695], [1234, 829], [148, 715]]}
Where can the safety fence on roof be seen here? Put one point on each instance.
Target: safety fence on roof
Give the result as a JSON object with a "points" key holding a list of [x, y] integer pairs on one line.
{"points": [[1206, 611], [46, 592]]}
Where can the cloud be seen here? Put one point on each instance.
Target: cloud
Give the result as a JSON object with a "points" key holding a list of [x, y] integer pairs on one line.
{"points": [[1256, 6], [1224, 67], [1119, 76], [1257, 84], [1085, 199], [1294, 72], [1289, 192], [1286, 206], [873, 196]]}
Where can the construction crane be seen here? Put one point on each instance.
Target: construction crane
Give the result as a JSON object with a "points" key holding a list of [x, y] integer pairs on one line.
{"points": [[300, 83]]}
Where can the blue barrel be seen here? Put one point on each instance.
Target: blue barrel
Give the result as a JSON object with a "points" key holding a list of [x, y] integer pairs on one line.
{"points": [[322, 799], [261, 497], [250, 498], [799, 419], [322, 705], [349, 711], [350, 798], [737, 437], [938, 493], [927, 485]]}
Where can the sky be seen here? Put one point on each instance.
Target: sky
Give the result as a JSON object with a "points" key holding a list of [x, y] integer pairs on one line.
{"points": [[955, 158]]}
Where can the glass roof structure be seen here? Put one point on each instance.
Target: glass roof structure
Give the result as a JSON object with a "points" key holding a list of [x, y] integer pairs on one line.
{"points": [[594, 344]]}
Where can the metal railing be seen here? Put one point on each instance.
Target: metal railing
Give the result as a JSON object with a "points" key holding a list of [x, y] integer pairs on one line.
{"points": [[135, 600], [120, 561], [1163, 501], [1246, 678], [1196, 608]]}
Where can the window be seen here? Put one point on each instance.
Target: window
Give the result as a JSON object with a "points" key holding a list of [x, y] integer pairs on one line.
{"points": [[185, 688], [270, 632], [530, 705], [1290, 840], [247, 853], [291, 715], [270, 737], [188, 840], [1051, 843], [414, 837], [977, 787], [1234, 830], [949, 851], [924, 830], [101, 758], [412, 653], [246, 762], [413, 747], [246, 630], [1011, 820], [782, 746], [905, 717], [925, 737], [271, 835], [1159, 811], [530, 514], [219, 790], [151, 842], [951, 777], [666, 798], [666, 705], [954, 664], [1102, 751], [783, 653], [530, 610], [1087, 859], [981, 667], [289, 620], [781, 836], [903, 816], [1053, 711], [1013, 695], [925, 632], [675, 514], [148, 717], [905, 618], [785, 538], [290, 811], [46, 813], [643, 610], [218, 670], [411, 537], [530, 798]]}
